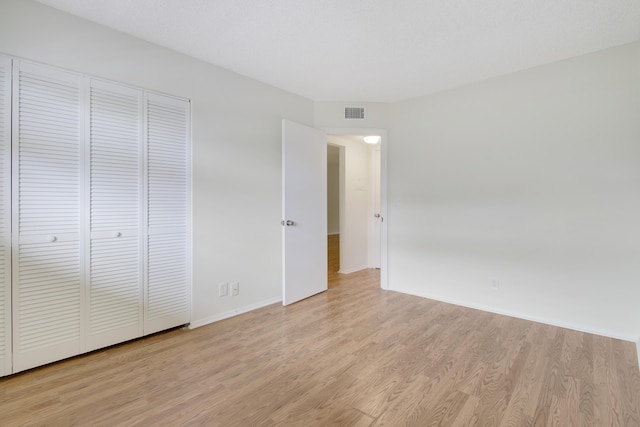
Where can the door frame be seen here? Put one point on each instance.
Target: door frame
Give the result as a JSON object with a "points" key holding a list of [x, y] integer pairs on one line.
{"points": [[384, 282]]}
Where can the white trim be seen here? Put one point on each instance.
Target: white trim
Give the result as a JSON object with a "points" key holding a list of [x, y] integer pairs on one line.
{"points": [[638, 350], [572, 326], [190, 186], [234, 312], [375, 244], [352, 269], [6, 362]]}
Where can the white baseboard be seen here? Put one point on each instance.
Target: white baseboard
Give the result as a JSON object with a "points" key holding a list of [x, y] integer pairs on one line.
{"points": [[234, 312], [351, 269], [572, 326]]}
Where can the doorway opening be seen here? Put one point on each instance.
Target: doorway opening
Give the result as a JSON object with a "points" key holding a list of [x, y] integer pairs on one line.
{"points": [[333, 210], [354, 206]]}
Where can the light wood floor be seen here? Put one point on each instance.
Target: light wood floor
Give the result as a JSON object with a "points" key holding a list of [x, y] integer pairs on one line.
{"points": [[333, 256], [352, 356]]}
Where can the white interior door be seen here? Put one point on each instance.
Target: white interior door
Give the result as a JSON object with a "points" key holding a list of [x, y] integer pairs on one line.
{"points": [[304, 231]]}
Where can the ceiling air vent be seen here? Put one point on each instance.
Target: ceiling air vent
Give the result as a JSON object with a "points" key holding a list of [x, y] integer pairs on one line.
{"points": [[354, 112]]}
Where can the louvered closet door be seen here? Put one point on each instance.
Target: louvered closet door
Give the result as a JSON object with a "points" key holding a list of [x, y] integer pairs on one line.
{"points": [[167, 297], [5, 216], [115, 293], [47, 200]]}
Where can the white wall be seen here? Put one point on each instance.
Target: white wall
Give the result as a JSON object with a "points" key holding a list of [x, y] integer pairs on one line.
{"points": [[532, 180], [333, 189], [236, 144], [356, 186]]}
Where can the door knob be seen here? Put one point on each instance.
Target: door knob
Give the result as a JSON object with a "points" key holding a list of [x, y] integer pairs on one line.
{"points": [[376, 215], [290, 223]]}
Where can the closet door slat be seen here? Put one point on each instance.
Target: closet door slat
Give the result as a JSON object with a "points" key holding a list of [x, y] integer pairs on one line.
{"points": [[47, 211], [168, 292], [115, 307]]}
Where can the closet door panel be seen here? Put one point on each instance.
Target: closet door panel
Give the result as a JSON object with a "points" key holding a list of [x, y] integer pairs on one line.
{"points": [[115, 308], [47, 198], [168, 292], [5, 215]]}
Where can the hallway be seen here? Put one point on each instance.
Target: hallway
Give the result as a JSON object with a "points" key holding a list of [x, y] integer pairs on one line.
{"points": [[369, 278]]}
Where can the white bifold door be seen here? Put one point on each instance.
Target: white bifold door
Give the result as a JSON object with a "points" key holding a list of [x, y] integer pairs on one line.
{"points": [[48, 261], [167, 297], [115, 276], [101, 212]]}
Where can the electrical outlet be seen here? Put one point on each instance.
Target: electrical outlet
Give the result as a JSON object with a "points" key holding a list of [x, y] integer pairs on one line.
{"points": [[223, 289], [235, 288], [495, 285]]}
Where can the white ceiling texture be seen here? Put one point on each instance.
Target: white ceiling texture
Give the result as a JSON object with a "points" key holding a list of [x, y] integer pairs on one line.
{"points": [[370, 50]]}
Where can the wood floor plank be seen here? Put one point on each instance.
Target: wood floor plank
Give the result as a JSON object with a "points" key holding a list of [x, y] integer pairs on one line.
{"points": [[352, 356], [628, 377]]}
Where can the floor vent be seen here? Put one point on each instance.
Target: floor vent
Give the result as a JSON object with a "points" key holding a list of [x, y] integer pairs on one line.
{"points": [[354, 112]]}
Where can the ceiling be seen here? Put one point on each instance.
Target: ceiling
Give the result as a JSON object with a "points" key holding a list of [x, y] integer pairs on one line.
{"points": [[370, 50]]}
